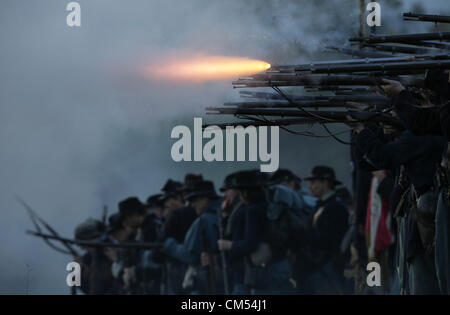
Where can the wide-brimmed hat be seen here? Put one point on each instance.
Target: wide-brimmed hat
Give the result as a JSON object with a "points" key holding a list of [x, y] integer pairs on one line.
{"points": [[170, 189], [248, 179], [283, 175], [89, 229], [114, 222], [130, 206], [203, 189], [155, 201], [189, 182], [324, 173], [228, 183]]}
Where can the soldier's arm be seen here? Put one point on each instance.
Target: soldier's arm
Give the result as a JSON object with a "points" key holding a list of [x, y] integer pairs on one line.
{"points": [[419, 120], [188, 252], [250, 242]]}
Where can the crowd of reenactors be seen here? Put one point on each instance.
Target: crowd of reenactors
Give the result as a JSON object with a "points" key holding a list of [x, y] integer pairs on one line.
{"points": [[266, 234]]}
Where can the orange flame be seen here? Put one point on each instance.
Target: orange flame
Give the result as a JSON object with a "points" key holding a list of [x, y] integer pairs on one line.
{"points": [[204, 69]]}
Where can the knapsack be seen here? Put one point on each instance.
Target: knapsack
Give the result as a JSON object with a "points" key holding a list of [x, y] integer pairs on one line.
{"points": [[289, 216]]}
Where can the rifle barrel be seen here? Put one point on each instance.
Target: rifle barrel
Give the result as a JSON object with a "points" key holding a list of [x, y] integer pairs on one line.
{"points": [[336, 116], [394, 66], [308, 67], [402, 38], [358, 52], [97, 244], [276, 122], [398, 49], [426, 17], [265, 80]]}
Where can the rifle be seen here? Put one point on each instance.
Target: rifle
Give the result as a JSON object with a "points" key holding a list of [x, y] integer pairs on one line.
{"points": [[405, 66], [401, 38], [35, 218], [275, 122], [337, 98], [322, 64], [222, 255], [337, 91], [212, 265], [432, 44], [426, 18], [357, 52], [97, 244], [322, 116], [398, 49], [305, 104], [269, 80]]}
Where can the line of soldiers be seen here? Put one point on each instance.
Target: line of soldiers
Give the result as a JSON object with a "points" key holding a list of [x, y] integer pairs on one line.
{"points": [[263, 235], [267, 235], [408, 172]]}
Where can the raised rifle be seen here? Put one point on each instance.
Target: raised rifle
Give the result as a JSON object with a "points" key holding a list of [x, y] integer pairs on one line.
{"points": [[320, 116], [357, 52], [398, 49], [212, 264], [96, 244], [426, 17], [408, 38]]}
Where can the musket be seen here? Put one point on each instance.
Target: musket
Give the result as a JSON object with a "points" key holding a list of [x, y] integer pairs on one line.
{"points": [[393, 66], [357, 52], [401, 38], [274, 122], [330, 98], [320, 64], [398, 49], [326, 116], [211, 265], [432, 44], [310, 80], [426, 17], [96, 244], [305, 104], [222, 255], [268, 80], [35, 218], [263, 95], [341, 90]]}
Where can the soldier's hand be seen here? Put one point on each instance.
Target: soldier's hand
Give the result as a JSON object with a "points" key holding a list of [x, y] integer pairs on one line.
{"points": [[204, 259], [111, 254], [392, 88], [129, 276], [225, 207], [380, 175], [355, 125], [224, 245]]}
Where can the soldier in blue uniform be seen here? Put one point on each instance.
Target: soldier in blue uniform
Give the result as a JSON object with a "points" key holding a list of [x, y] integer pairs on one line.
{"points": [[419, 156], [255, 243], [201, 240], [327, 230]]}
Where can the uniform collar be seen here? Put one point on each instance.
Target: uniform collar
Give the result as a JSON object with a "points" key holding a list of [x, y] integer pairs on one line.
{"points": [[328, 195]]}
